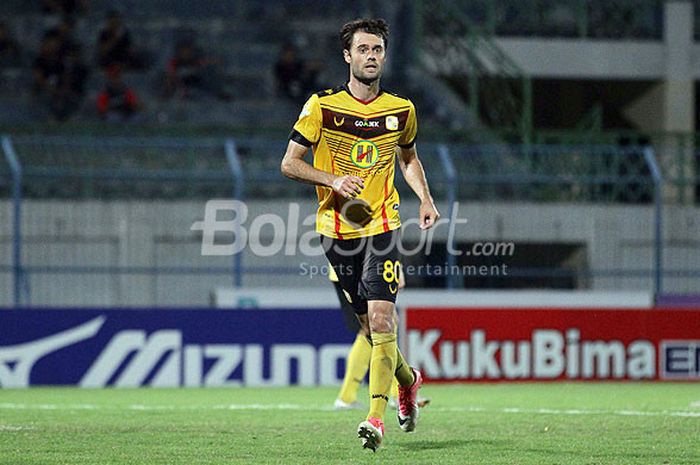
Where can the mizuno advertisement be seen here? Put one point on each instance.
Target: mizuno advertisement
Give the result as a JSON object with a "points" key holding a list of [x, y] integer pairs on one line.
{"points": [[172, 347]]}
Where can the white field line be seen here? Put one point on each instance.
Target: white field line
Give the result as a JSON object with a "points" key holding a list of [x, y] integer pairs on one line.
{"points": [[13, 428], [464, 409]]}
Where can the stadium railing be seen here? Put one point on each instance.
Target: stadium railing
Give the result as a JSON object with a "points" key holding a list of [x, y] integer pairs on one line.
{"points": [[622, 19], [119, 168]]}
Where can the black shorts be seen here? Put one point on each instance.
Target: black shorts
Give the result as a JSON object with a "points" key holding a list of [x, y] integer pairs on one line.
{"points": [[368, 268]]}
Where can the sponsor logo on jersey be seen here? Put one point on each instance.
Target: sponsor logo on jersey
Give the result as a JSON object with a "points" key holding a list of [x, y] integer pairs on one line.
{"points": [[367, 124], [392, 123], [339, 122], [364, 154]]}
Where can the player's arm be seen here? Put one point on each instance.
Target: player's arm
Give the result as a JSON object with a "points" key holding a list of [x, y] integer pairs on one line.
{"points": [[295, 167], [414, 173]]}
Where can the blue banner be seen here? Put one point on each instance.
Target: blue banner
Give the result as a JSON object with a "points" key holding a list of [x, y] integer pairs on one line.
{"points": [[172, 347]]}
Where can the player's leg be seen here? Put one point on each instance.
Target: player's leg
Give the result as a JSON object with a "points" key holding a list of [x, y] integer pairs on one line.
{"points": [[379, 285], [381, 371], [410, 381], [363, 323], [394, 395], [355, 371], [357, 363], [384, 356], [345, 280], [386, 281]]}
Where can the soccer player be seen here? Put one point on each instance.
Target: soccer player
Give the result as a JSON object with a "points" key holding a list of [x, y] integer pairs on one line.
{"points": [[354, 130]]}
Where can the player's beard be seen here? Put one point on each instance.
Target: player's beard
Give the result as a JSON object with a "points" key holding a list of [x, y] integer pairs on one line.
{"points": [[366, 80]]}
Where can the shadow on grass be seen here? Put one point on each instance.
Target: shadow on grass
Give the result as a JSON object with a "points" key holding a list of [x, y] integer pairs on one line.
{"points": [[451, 444]]}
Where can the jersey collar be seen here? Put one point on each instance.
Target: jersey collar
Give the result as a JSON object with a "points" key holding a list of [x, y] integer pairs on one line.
{"points": [[364, 102]]}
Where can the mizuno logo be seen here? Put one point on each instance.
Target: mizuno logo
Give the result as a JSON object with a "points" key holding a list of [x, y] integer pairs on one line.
{"points": [[339, 123], [17, 361]]}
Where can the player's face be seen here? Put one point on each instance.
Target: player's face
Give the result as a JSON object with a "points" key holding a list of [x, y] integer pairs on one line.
{"points": [[366, 57]]}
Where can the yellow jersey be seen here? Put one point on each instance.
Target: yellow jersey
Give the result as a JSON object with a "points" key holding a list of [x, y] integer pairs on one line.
{"points": [[359, 138]]}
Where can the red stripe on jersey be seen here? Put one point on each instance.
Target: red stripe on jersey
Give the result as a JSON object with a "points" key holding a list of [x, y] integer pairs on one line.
{"points": [[337, 225], [385, 218], [335, 204]]}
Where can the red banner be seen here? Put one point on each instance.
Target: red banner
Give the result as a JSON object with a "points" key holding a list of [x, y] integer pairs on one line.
{"points": [[466, 344]]}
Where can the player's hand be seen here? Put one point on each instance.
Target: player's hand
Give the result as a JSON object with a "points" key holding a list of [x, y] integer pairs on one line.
{"points": [[428, 214], [348, 186]]}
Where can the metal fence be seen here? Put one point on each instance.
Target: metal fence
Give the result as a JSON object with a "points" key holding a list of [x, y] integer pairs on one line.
{"points": [[158, 170]]}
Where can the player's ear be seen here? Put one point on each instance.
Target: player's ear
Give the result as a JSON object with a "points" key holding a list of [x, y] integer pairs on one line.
{"points": [[346, 55]]}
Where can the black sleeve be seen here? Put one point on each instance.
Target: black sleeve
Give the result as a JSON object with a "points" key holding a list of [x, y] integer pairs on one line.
{"points": [[409, 145], [297, 137]]}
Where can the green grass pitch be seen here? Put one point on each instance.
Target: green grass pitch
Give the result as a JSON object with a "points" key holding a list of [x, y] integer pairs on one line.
{"points": [[559, 423]]}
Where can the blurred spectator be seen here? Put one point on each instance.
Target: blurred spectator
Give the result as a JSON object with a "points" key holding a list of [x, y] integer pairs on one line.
{"points": [[65, 7], [9, 49], [64, 34], [295, 77], [114, 45], [117, 102], [47, 66], [70, 87], [190, 70], [59, 81]]}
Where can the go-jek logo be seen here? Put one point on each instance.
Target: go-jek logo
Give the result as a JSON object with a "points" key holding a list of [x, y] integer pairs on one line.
{"points": [[364, 154]]}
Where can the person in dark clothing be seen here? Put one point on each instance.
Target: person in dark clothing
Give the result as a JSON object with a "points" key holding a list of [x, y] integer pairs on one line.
{"points": [[117, 102], [47, 66], [65, 7], [295, 77], [70, 88], [114, 45], [190, 70], [64, 34], [9, 49]]}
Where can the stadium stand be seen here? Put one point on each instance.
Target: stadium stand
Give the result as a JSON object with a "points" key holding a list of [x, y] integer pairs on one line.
{"points": [[475, 105]]}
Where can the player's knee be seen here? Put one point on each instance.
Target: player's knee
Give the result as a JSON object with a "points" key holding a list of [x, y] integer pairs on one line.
{"points": [[381, 322]]}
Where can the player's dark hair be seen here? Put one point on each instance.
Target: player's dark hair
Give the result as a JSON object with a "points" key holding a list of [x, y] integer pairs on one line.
{"points": [[378, 27]]}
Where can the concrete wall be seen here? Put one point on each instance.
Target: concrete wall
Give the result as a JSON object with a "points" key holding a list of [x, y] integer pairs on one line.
{"points": [[148, 234], [674, 58], [589, 59]]}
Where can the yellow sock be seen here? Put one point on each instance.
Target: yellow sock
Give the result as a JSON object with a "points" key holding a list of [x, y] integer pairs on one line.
{"points": [[395, 388], [355, 369], [404, 374], [381, 372]]}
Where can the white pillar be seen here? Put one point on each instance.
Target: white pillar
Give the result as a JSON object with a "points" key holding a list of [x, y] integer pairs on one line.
{"points": [[679, 101]]}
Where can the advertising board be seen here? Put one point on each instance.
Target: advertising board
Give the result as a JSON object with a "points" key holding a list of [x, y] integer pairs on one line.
{"points": [[467, 344], [172, 347]]}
